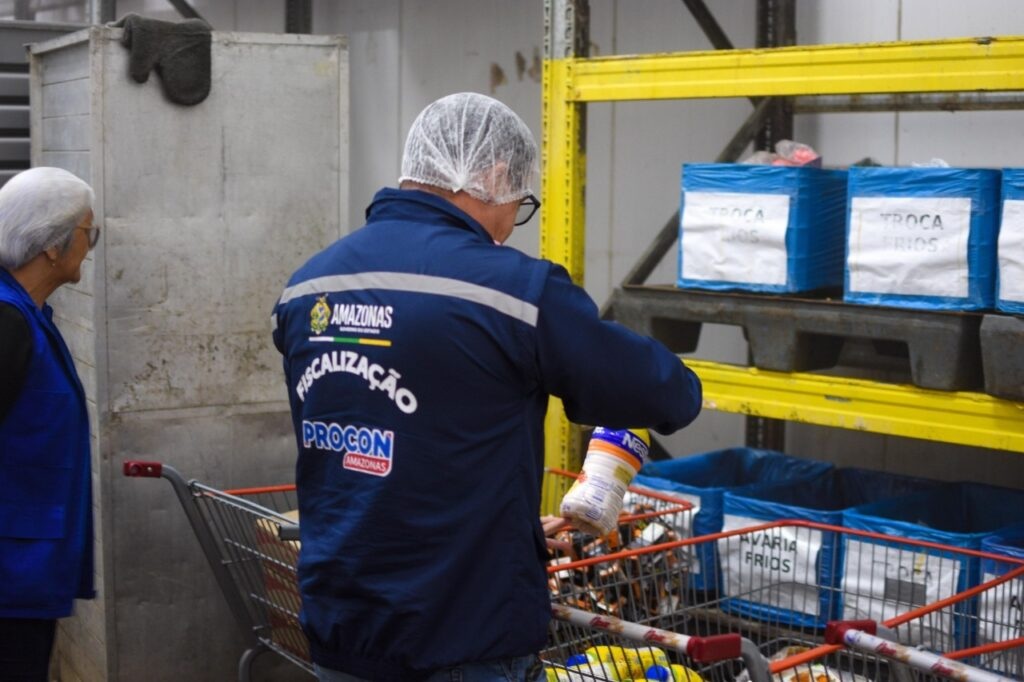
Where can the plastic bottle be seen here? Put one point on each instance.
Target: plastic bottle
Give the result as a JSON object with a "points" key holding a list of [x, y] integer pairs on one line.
{"points": [[613, 458], [629, 663]]}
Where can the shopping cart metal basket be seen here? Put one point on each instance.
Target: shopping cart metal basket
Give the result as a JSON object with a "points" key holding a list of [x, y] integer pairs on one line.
{"points": [[648, 517], [973, 635], [768, 573], [250, 538]]}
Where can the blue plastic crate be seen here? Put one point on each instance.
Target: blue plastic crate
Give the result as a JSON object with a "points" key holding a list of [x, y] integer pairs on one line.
{"points": [[922, 237], [791, 575], [881, 580], [1010, 274], [773, 229], [704, 479], [1001, 608]]}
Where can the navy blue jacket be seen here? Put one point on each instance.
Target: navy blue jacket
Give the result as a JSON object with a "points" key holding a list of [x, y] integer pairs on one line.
{"points": [[419, 358], [46, 531]]}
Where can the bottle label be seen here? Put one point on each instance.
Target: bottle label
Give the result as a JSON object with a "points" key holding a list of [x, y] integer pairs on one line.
{"points": [[631, 445]]}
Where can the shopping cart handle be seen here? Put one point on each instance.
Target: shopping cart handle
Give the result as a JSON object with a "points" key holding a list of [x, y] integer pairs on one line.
{"points": [[288, 532], [835, 630], [714, 648], [137, 469]]}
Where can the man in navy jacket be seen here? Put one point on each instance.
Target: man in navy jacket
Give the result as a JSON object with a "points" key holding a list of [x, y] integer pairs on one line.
{"points": [[419, 355]]}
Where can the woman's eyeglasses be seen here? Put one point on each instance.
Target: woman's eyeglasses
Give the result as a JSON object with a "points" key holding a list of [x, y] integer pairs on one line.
{"points": [[527, 207], [92, 233]]}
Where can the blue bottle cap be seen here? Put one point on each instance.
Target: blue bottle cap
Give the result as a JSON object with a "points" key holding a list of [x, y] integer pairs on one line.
{"points": [[658, 672], [576, 659]]}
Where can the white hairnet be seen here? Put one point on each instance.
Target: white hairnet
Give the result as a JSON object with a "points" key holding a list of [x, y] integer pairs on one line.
{"points": [[472, 143]]}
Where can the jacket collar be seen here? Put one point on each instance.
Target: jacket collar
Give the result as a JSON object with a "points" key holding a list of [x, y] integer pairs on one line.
{"points": [[423, 207]]}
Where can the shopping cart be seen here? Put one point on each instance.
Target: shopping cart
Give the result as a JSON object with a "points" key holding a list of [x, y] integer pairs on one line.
{"points": [[250, 539], [783, 586]]}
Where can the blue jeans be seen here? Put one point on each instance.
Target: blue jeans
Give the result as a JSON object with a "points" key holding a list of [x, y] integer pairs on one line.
{"points": [[522, 669]]}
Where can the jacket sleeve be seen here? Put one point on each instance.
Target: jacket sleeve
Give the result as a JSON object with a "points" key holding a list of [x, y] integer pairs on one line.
{"points": [[605, 374]]}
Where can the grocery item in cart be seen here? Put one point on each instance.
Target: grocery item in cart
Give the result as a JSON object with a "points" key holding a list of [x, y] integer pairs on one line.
{"points": [[815, 673], [278, 559], [613, 459], [629, 663], [673, 673], [579, 668]]}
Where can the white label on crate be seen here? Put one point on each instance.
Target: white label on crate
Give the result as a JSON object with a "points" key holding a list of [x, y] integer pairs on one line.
{"points": [[881, 581], [909, 245], [1011, 251], [773, 567], [1000, 619], [729, 237]]}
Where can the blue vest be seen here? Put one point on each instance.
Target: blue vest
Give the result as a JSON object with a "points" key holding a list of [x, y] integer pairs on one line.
{"points": [[419, 358], [46, 527]]}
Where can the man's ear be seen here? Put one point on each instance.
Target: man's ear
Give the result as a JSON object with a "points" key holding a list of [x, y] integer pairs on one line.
{"points": [[497, 179], [52, 254]]}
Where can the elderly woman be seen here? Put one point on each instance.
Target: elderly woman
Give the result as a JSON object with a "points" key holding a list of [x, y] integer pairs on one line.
{"points": [[46, 527]]}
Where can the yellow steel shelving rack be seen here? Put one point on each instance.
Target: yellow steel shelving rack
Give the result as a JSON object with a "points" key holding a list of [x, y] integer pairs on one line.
{"points": [[571, 81]]}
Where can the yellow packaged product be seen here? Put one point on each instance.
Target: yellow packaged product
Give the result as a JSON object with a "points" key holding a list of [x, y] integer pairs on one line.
{"points": [[629, 663]]}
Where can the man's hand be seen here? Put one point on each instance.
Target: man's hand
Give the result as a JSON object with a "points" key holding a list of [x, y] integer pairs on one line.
{"points": [[552, 525]]}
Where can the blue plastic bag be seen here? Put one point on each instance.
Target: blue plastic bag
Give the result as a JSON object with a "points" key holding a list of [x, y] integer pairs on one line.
{"points": [[882, 579], [703, 481]]}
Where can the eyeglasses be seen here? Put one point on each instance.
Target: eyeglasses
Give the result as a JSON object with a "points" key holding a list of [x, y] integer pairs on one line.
{"points": [[527, 207], [92, 232]]}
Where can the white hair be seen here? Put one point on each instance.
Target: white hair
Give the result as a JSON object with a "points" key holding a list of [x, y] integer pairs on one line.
{"points": [[39, 208]]}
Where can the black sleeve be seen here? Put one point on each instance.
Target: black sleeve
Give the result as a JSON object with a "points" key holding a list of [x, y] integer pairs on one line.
{"points": [[15, 353]]}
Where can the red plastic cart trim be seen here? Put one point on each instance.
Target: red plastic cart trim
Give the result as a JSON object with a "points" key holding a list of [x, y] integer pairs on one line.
{"points": [[713, 648], [137, 469], [835, 630]]}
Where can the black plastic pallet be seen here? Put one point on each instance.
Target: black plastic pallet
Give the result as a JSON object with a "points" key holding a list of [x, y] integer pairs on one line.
{"points": [[800, 334], [1002, 355]]}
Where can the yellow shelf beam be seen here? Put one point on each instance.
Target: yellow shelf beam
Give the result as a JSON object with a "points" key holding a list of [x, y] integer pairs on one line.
{"points": [[973, 419], [971, 64]]}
